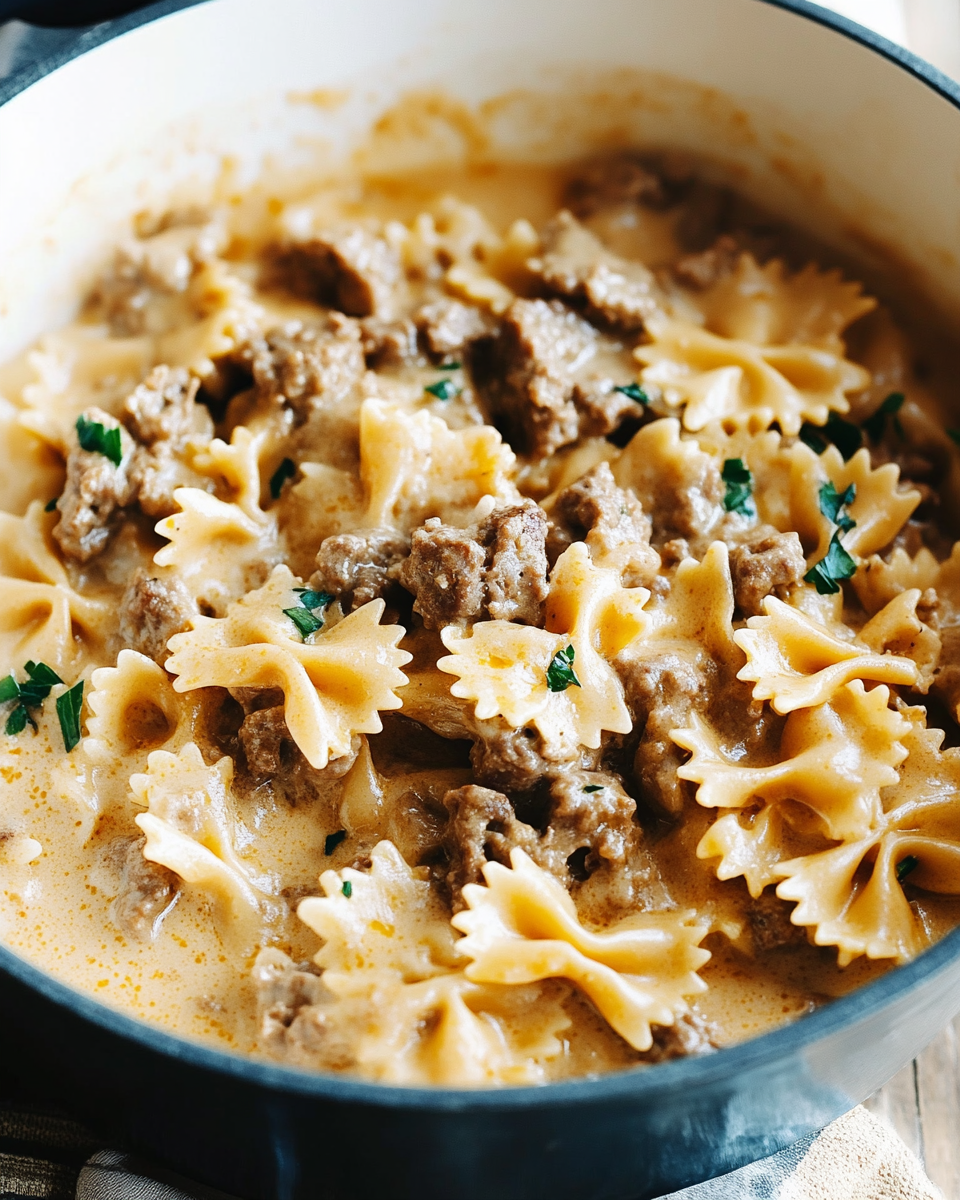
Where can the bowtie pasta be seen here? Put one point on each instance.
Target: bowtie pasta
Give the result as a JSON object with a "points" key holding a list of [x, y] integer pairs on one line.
{"points": [[479, 652]]}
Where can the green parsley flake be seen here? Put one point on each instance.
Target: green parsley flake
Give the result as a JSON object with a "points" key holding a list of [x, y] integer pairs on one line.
{"points": [[99, 440], [832, 504], [443, 389], [450, 366], [845, 436], [836, 564], [17, 721], [739, 481], [51, 505], [9, 689], [875, 425], [905, 866], [593, 787], [333, 840], [633, 391], [347, 888], [304, 620], [286, 470], [311, 599], [560, 674], [69, 706], [954, 435]]}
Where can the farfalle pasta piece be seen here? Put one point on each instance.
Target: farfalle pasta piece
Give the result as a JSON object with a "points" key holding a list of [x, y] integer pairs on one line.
{"points": [[698, 608], [713, 377], [385, 919], [134, 710], [661, 465], [795, 662], [753, 848], [390, 958], [40, 613], [523, 927], [877, 581], [880, 508], [896, 629], [236, 466], [766, 306], [225, 316], [504, 668], [334, 685], [413, 466], [190, 829], [918, 841], [835, 759], [217, 550]]}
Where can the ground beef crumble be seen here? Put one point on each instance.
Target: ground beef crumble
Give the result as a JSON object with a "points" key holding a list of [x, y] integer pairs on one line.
{"points": [[495, 569], [305, 366], [359, 567], [767, 563], [95, 493], [152, 610]]}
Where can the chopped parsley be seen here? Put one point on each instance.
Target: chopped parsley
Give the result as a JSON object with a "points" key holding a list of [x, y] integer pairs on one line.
{"points": [[905, 866], [875, 425], [560, 674], [593, 787], [333, 840], [954, 435], [450, 366], [305, 617], [832, 504], [844, 434], [443, 389], [347, 888], [29, 694], [633, 391], [736, 475], [836, 564], [51, 505], [69, 706], [99, 439], [304, 620], [286, 470]]}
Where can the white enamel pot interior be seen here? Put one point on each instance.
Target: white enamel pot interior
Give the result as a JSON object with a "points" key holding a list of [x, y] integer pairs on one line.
{"points": [[837, 135]]}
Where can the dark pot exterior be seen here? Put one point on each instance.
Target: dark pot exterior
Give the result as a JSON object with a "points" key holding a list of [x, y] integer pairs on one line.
{"points": [[269, 1133]]}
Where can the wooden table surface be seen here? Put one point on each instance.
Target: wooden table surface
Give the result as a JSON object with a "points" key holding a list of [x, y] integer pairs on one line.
{"points": [[923, 1104]]}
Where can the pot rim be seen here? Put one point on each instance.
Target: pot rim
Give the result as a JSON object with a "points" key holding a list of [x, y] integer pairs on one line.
{"points": [[635, 1083]]}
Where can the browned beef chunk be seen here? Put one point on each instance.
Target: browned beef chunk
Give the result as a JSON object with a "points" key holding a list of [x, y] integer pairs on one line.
{"points": [[445, 571], [689, 1034], [448, 327], [769, 562], [389, 343], [94, 495], [497, 568], [617, 179], [483, 827], [284, 991], [516, 576], [609, 518], [271, 752], [163, 415], [705, 268], [770, 923], [508, 759], [531, 387], [163, 407], [602, 407], [359, 567], [661, 692], [589, 825], [576, 265], [946, 677], [684, 502], [147, 891], [352, 269], [143, 289], [304, 366], [152, 610]]}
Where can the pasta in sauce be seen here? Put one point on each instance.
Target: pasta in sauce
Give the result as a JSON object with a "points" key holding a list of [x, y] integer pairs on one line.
{"points": [[465, 650]]}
